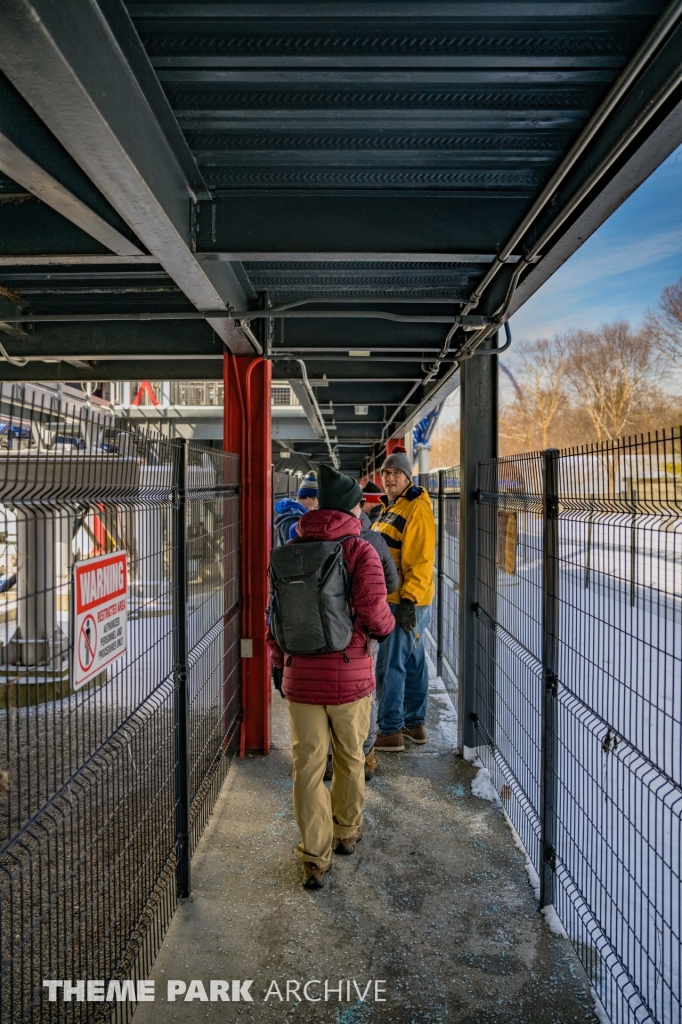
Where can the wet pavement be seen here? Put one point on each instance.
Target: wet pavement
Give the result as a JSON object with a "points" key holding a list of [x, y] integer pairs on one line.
{"points": [[431, 920]]}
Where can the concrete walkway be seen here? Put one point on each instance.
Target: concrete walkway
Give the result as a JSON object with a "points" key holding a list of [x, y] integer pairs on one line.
{"points": [[435, 903]]}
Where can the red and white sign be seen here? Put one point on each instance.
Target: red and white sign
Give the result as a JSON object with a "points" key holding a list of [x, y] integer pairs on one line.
{"points": [[100, 615]]}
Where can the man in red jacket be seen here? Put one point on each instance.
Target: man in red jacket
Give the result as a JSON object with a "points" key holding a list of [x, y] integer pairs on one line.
{"points": [[329, 694]]}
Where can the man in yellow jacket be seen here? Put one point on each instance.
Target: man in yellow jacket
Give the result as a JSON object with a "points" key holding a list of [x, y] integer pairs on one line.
{"points": [[409, 528]]}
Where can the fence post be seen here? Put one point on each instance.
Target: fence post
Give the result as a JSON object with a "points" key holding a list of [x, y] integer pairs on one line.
{"points": [[440, 572], [180, 695], [550, 647]]}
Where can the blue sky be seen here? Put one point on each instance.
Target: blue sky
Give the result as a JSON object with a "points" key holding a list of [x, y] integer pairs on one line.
{"points": [[620, 271]]}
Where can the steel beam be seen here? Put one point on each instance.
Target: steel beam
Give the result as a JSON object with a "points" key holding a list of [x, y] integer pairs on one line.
{"points": [[66, 62], [478, 441], [179, 369], [352, 257], [31, 156], [341, 222]]}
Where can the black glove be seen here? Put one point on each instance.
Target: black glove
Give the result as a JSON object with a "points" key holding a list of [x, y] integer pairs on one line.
{"points": [[277, 677], [406, 616]]}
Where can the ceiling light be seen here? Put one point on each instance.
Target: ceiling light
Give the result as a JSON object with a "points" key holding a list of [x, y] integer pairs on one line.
{"points": [[361, 410], [359, 353]]}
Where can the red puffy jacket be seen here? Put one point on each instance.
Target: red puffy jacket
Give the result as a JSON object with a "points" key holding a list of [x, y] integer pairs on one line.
{"points": [[340, 677]]}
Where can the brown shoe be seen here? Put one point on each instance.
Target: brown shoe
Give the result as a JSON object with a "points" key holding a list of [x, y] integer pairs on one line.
{"points": [[313, 877], [391, 744], [347, 846], [417, 733], [371, 765]]}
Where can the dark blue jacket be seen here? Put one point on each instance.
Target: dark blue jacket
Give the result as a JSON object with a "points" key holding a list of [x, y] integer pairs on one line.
{"points": [[287, 513]]}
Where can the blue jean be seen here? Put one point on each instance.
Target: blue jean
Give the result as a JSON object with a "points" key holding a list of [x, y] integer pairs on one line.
{"points": [[403, 676]]}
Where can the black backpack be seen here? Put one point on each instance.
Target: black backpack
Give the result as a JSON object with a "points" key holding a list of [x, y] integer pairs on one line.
{"points": [[309, 597]]}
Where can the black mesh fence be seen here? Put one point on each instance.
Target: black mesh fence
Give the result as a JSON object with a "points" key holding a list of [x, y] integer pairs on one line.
{"points": [[119, 589], [579, 698], [443, 488]]}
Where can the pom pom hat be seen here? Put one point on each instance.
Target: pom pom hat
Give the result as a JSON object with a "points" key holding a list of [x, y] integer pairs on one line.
{"points": [[308, 488], [398, 460]]}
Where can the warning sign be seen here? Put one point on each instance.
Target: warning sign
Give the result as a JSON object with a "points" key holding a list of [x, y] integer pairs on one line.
{"points": [[101, 615]]}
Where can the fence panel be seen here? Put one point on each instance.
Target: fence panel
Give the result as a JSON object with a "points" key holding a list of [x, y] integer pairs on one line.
{"points": [[585, 741], [88, 775], [443, 489]]}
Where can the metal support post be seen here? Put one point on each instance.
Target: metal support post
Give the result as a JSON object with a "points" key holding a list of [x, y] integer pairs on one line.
{"points": [[550, 622], [180, 694], [478, 441], [247, 430], [440, 566]]}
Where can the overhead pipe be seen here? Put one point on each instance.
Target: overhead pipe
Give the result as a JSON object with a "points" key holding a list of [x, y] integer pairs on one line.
{"points": [[313, 400], [242, 318]]}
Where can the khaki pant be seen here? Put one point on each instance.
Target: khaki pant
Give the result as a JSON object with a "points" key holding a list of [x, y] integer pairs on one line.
{"points": [[322, 814]]}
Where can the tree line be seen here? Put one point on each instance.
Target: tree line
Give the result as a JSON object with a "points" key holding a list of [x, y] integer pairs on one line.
{"points": [[583, 386]]}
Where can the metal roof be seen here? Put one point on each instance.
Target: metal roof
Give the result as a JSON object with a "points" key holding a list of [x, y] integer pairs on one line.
{"points": [[423, 159]]}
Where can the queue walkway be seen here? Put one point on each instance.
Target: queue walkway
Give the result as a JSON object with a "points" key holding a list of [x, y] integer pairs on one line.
{"points": [[435, 902]]}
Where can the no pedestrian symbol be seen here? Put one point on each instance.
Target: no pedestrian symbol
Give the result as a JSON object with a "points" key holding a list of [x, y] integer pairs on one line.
{"points": [[87, 643], [100, 603]]}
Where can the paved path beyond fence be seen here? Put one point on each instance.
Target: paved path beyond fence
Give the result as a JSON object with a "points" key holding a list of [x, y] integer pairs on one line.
{"points": [[435, 902]]}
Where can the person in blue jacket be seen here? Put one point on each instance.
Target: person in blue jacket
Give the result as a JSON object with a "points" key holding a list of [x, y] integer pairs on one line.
{"points": [[288, 511]]}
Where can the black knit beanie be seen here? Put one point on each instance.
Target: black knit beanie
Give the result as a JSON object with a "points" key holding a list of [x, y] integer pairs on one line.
{"points": [[336, 490]]}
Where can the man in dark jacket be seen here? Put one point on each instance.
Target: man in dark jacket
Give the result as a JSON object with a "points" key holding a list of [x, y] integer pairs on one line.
{"points": [[329, 694], [375, 499]]}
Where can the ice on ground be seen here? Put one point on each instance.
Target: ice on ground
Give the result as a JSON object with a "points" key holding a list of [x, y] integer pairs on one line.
{"points": [[447, 715], [482, 786]]}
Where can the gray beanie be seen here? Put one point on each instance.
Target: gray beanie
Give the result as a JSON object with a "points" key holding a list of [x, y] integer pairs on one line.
{"points": [[398, 459]]}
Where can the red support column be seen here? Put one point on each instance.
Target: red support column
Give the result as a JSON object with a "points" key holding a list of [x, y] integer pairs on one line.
{"points": [[247, 431], [394, 443]]}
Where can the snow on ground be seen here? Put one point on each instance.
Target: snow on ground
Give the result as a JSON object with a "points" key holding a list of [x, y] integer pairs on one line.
{"points": [[447, 713]]}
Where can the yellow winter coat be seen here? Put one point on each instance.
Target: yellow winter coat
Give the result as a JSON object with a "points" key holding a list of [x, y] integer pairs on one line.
{"points": [[410, 532]]}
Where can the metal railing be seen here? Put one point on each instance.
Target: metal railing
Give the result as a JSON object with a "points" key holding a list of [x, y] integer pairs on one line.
{"points": [[578, 701], [119, 710]]}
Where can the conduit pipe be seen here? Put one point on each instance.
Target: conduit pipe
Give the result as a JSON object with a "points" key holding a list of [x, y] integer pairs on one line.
{"points": [[243, 319], [318, 413]]}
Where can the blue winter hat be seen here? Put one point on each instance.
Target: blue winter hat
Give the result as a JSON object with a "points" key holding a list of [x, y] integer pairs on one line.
{"points": [[308, 488]]}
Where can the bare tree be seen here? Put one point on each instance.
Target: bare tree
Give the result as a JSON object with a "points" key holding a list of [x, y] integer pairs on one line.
{"points": [[613, 374], [665, 323], [529, 419], [445, 446]]}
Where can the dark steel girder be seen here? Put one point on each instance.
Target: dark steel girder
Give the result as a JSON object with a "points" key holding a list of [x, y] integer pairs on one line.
{"points": [[181, 369], [31, 156], [69, 62]]}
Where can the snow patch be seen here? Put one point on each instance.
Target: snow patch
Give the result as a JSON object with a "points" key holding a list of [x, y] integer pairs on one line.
{"points": [[482, 786], [446, 726], [599, 1011], [553, 921]]}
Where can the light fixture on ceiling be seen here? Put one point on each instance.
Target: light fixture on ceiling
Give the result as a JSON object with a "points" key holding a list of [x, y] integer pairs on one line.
{"points": [[359, 353], [361, 410]]}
